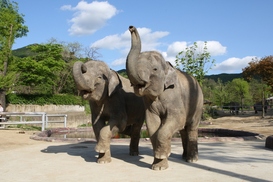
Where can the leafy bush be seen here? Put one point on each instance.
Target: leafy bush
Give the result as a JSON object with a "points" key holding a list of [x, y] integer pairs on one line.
{"points": [[44, 99]]}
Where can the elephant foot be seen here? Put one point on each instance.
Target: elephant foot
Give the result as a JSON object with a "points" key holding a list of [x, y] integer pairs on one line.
{"points": [[191, 158], [134, 153], [104, 158], [184, 156], [160, 164]]}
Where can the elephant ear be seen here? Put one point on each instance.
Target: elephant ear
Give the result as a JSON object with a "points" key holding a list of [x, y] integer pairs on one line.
{"points": [[170, 75], [114, 83]]}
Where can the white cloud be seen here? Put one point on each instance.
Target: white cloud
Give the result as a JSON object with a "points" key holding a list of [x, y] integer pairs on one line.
{"points": [[213, 47], [233, 65], [149, 40], [89, 17], [113, 41], [118, 62], [122, 42]]}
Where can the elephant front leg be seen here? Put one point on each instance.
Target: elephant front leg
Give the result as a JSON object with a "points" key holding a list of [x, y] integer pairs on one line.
{"points": [[160, 164], [104, 158], [163, 140], [161, 152], [103, 145]]}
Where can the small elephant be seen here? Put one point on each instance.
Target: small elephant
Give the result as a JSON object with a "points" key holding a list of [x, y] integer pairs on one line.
{"points": [[173, 100], [234, 107], [114, 106]]}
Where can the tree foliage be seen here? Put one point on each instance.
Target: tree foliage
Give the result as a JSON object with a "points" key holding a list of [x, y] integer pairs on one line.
{"points": [[260, 69], [220, 93], [11, 27], [195, 61], [240, 89], [43, 68]]}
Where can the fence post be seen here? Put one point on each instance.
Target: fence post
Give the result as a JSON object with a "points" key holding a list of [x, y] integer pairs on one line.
{"points": [[43, 121]]}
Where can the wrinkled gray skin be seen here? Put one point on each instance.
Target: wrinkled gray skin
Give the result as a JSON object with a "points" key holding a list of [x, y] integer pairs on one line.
{"points": [[114, 106], [174, 101]]}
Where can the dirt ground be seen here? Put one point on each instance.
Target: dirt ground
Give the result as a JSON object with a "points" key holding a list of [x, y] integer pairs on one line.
{"points": [[247, 121], [12, 138]]}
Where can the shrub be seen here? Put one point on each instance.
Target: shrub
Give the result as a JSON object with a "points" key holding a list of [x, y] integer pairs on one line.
{"points": [[44, 99]]}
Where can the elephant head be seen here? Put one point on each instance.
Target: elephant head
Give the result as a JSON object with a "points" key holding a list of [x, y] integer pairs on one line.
{"points": [[148, 72], [95, 80]]}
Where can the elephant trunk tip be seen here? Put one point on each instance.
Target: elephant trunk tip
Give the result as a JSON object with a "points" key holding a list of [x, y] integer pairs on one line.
{"points": [[131, 28]]}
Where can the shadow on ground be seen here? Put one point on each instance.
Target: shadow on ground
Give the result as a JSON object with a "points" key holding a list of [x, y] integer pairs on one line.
{"points": [[214, 158]]}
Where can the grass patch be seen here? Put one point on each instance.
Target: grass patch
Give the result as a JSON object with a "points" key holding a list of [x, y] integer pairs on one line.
{"points": [[26, 127]]}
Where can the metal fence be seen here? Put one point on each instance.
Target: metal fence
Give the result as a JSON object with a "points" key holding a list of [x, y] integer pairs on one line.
{"points": [[30, 118]]}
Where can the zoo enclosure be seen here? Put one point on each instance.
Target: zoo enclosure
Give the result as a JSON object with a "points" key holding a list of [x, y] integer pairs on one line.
{"points": [[43, 118], [243, 110]]}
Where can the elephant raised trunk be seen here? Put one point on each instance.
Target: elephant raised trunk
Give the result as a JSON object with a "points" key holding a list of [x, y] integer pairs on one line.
{"points": [[133, 55], [78, 69]]}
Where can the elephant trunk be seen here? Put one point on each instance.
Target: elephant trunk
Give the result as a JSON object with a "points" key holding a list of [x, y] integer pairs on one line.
{"points": [[78, 69], [133, 56]]}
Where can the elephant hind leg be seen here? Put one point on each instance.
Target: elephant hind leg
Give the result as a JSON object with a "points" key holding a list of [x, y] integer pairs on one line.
{"points": [[190, 145], [184, 138], [134, 132], [135, 136]]}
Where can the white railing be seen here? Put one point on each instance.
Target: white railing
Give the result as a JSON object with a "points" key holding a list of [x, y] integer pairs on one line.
{"points": [[44, 118], [64, 120]]}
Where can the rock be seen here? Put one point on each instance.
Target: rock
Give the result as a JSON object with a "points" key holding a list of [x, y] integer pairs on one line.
{"points": [[269, 142]]}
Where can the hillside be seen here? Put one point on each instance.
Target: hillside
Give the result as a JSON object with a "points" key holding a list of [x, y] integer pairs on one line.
{"points": [[22, 52], [225, 77]]}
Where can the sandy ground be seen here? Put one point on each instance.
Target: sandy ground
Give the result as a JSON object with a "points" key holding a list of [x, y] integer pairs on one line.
{"points": [[24, 159]]}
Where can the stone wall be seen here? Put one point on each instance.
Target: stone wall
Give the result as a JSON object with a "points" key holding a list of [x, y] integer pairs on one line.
{"points": [[45, 108]]}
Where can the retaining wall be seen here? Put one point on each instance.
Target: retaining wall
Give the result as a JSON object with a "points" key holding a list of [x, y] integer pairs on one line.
{"points": [[75, 113], [45, 108]]}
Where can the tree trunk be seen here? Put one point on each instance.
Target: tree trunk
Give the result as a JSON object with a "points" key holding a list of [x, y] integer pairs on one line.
{"points": [[3, 98]]}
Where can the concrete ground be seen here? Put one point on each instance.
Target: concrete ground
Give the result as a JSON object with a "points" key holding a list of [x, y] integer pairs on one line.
{"points": [[31, 160]]}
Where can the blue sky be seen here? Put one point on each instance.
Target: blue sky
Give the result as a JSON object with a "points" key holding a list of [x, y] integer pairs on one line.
{"points": [[236, 31]]}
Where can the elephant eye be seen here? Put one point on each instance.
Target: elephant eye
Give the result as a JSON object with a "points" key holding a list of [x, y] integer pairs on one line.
{"points": [[155, 69]]}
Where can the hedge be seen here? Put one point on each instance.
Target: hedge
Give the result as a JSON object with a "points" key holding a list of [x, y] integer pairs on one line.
{"points": [[44, 99]]}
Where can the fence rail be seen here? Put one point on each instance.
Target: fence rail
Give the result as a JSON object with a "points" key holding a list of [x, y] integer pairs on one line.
{"points": [[44, 118], [64, 120]]}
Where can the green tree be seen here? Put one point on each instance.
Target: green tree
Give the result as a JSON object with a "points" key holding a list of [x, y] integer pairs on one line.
{"points": [[261, 69], [208, 87], [11, 27], [220, 94], [41, 70], [195, 61], [239, 89]]}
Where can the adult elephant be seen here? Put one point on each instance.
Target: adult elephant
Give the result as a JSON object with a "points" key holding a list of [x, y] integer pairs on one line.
{"points": [[173, 101], [114, 106], [260, 106], [234, 107]]}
